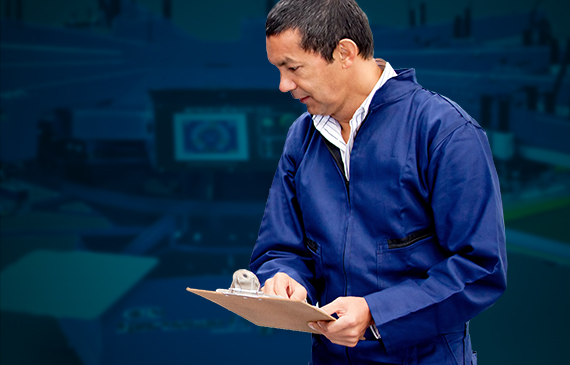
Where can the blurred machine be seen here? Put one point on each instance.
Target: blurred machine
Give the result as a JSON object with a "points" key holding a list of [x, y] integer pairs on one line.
{"points": [[178, 151]]}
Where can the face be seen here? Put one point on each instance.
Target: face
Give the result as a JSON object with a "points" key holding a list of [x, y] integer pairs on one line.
{"points": [[306, 75]]}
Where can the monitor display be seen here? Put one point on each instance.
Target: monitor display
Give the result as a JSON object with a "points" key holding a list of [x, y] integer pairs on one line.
{"points": [[210, 137]]}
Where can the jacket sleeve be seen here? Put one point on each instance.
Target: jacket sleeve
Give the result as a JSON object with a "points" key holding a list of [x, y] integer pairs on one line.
{"points": [[280, 246], [468, 218]]}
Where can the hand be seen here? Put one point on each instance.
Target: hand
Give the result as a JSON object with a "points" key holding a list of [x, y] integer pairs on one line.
{"points": [[283, 285], [353, 319]]}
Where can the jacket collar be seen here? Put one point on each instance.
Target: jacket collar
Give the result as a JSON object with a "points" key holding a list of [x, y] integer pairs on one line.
{"points": [[395, 88]]}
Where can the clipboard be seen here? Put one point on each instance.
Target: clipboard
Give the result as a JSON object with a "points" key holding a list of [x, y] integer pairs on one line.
{"points": [[267, 311]]}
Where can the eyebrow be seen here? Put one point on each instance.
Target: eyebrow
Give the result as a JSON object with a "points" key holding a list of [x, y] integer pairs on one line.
{"points": [[286, 61]]}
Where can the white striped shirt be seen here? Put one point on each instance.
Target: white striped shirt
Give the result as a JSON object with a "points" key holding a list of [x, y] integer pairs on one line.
{"points": [[330, 127]]}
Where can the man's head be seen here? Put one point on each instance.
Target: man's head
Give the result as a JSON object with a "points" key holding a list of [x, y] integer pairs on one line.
{"points": [[322, 24], [323, 50]]}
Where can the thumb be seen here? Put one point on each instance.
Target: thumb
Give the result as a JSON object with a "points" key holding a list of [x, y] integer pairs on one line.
{"points": [[298, 295], [333, 307]]}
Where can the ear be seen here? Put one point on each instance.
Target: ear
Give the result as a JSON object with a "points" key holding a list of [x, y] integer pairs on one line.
{"points": [[346, 52]]}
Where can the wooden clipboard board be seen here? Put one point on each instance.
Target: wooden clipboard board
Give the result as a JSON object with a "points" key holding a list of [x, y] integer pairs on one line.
{"points": [[268, 312]]}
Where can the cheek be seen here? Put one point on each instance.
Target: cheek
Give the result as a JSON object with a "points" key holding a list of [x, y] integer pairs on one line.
{"points": [[323, 87], [328, 92], [329, 85]]}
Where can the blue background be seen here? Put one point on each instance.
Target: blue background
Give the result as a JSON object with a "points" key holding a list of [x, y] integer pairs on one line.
{"points": [[102, 229]]}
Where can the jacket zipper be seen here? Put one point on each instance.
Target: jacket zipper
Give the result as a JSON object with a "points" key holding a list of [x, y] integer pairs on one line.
{"points": [[347, 187], [349, 215], [346, 234]]}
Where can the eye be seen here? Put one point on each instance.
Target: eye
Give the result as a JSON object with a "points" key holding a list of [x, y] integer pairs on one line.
{"points": [[293, 68]]}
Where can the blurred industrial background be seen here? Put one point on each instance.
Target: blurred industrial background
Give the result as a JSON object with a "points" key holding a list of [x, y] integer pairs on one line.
{"points": [[139, 140]]}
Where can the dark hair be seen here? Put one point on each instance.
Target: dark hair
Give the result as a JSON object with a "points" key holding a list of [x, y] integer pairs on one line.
{"points": [[322, 24]]}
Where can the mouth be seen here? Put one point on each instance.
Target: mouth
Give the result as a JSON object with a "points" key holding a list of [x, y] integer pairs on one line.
{"points": [[303, 100]]}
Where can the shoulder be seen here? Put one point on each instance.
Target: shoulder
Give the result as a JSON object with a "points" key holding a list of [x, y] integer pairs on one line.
{"points": [[300, 134], [300, 127], [422, 110], [439, 117]]}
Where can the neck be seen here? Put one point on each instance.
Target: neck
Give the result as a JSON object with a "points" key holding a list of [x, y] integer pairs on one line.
{"points": [[364, 76]]}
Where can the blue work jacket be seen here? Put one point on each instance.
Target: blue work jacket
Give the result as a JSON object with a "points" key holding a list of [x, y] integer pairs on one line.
{"points": [[418, 231]]}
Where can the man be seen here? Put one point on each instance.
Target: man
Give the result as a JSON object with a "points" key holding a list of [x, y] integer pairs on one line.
{"points": [[385, 208]]}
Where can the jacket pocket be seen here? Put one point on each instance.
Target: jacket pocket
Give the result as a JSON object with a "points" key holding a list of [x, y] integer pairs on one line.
{"points": [[455, 346], [410, 239], [436, 351], [312, 246], [409, 257], [316, 251]]}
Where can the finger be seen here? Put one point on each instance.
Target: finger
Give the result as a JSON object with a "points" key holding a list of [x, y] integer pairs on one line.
{"points": [[299, 293], [342, 338], [314, 326], [341, 325], [334, 307], [281, 285], [336, 334], [324, 326], [268, 288], [343, 328]]}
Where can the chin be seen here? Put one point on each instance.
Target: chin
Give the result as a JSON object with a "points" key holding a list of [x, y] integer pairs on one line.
{"points": [[314, 111]]}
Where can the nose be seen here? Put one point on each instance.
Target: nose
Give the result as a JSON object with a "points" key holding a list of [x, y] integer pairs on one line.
{"points": [[286, 84]]}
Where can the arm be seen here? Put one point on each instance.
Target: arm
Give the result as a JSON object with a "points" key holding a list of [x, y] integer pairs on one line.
{"points": [[280, 247], [468, 218]]}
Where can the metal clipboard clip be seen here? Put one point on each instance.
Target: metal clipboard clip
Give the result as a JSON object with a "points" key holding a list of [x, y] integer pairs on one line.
{"points": [[245, 284], [246, 293]]}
